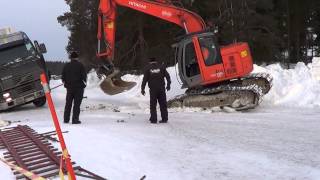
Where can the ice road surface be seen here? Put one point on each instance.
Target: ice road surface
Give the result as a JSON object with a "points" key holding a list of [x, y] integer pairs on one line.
{"points": [[280, 139]]}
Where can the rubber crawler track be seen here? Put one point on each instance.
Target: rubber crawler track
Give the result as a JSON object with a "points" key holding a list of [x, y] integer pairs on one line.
{"points": [[240, 94]]}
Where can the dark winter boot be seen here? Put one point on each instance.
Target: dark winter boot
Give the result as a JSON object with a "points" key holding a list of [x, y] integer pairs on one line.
{"points": [[163, 121]]}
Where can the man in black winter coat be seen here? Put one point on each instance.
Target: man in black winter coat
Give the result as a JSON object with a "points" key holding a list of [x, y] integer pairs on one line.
{"points": [[154, 75], [74, 78]]}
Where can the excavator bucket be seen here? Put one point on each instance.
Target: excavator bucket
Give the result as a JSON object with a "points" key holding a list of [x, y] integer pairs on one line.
{"points": [[113, 84]]}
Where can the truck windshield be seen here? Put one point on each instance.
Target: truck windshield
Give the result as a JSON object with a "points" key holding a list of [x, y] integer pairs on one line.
{"points": [[18, 52]]}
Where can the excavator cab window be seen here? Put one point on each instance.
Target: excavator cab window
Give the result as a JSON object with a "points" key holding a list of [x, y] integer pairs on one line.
{"points": [[178, 56], [191, 63], [210, 51]]}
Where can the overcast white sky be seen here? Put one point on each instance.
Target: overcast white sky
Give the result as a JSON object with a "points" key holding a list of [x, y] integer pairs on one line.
{"points": [[38, 18]]}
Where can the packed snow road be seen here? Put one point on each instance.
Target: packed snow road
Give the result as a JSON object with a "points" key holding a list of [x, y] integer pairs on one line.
{"points": [[272, 143], [278, 140]]}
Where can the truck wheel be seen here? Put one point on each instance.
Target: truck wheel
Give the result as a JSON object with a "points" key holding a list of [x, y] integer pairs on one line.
{"points": [[40, 102]]}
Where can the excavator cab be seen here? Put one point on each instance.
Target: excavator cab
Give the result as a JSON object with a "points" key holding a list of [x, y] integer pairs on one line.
{"points": [[202, 62]]}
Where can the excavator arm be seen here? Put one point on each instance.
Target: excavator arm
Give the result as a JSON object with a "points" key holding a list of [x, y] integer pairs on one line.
{"points": [[161, 9]]}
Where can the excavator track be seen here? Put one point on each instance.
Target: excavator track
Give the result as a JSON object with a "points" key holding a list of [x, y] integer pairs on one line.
{"points": [[240, 94]]}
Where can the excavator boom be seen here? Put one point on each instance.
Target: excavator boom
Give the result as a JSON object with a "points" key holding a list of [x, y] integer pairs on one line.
{"points": [[162, 9], [184, 18]]}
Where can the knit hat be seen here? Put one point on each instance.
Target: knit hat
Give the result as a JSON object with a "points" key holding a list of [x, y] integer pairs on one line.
{"points": [[152, 59], [74, 55]]}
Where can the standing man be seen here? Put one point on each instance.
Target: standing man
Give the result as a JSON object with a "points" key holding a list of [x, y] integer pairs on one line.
{"points": [[74, 78], [154, 75]]}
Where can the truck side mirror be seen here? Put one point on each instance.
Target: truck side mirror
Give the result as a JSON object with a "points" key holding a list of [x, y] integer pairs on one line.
{"points": [[42, 48]]}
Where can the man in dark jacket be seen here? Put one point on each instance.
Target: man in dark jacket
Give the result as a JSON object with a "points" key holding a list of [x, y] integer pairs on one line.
{"points": [[154, 75], [74, 78]]}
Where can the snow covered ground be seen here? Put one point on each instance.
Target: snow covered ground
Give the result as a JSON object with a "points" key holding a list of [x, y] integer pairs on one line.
{"points": [[278, 140]]}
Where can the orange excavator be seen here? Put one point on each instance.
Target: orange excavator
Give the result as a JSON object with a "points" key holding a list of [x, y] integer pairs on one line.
{"points": [[214, 76]]}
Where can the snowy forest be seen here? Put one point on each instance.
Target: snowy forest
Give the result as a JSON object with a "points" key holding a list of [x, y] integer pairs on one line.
{"points": [[283, 31]]}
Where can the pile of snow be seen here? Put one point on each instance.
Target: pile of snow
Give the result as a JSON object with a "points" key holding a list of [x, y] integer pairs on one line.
{"points": [[297, 87], [94, 81], [292, 87], [316, 68]]}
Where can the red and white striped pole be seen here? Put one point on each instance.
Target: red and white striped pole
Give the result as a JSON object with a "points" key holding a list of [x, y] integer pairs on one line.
{"points": [[65, 153]]}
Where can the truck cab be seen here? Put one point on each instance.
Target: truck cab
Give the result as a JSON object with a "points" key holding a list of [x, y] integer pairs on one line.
{"points": [[21, 63]]}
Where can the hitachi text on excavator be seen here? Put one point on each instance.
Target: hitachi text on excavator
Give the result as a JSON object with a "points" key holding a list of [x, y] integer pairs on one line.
{"points": [[214, 76]]}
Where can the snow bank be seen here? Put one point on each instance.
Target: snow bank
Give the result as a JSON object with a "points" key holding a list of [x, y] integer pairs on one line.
{"points": [[296, 87], [293, 87], [93, 82], [133, 96]]}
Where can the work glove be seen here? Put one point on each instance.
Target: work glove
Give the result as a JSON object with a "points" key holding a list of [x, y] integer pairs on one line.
{"points": [[143, 92], [168, 87]]}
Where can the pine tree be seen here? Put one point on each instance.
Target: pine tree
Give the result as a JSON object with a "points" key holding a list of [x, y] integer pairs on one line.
{"points": [[81, 21], [276, 30]]}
